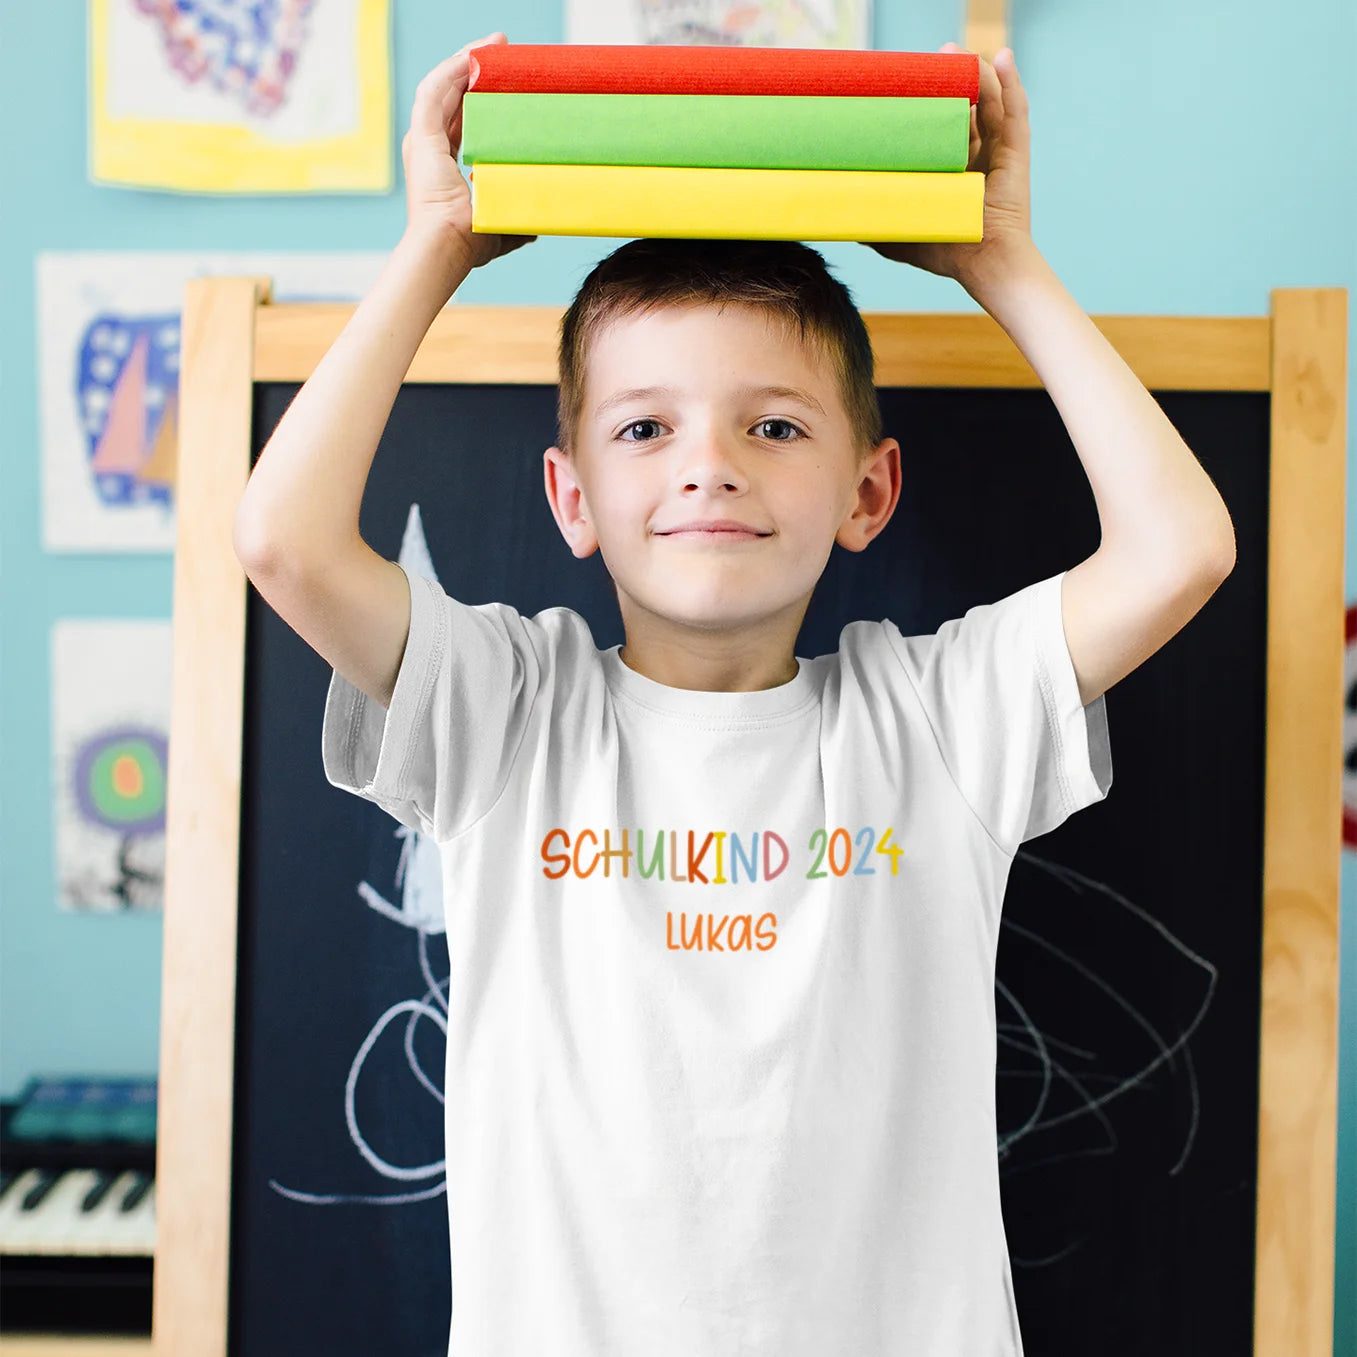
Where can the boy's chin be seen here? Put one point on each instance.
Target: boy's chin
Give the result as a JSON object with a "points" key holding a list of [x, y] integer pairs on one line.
{"points": [[698, 611]]}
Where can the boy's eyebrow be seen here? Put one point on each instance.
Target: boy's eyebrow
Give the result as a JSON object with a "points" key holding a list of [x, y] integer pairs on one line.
{"points": [[637, 393]]}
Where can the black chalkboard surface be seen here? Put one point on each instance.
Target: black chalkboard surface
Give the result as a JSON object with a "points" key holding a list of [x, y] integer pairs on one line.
{"points": [[1129, 958]]}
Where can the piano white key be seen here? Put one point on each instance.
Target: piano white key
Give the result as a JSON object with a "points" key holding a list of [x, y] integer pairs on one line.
{"points": [[142, 1239], [98, 1227], [11, 1223], [87, 1229], [14, 1189], [58, 1221], [25, 1228], [126, 1232], [90, 1229], [99, 1234]]}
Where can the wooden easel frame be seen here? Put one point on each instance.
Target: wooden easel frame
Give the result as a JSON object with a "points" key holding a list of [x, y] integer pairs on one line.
{"points": [[986, 27], [233, 337]]}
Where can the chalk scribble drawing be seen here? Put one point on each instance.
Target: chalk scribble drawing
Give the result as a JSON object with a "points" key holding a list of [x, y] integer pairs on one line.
{"points": [[420, 909], [1121, 1028]]}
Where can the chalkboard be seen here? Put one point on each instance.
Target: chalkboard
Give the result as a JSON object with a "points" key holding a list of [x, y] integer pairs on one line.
{"points": [[1130, 952], [1167, 968]]}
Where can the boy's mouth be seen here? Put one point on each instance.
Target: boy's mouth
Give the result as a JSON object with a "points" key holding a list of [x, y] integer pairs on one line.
{"points": [[723, 528]]}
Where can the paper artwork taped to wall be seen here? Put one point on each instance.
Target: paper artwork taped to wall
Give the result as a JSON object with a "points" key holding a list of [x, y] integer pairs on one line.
{"points": [[241, 96], [740, 23], [108, 346], [110, 686]]}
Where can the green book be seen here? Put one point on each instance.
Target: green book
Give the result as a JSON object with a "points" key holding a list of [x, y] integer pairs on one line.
{"points": [[731, 131]]}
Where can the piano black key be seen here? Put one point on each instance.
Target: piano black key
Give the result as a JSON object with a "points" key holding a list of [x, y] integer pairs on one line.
{"points": [[8, 1177], [102, 1182], [46, 1181], [138, 1190]]}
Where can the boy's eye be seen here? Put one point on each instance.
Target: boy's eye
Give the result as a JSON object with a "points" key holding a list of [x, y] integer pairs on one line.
{"points": [[787, 424], [762, 424], [634, 425]]}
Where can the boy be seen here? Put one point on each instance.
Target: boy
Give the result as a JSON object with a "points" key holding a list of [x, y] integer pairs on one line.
{"points": [[721, 921]]}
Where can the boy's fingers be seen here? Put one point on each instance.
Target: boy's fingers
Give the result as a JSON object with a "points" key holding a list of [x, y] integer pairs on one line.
{"points": [[455, 134], [990, 114], [1015, 97], [480, 42], [1006, 116], [447, 81], [448, 77], [977, 140]]}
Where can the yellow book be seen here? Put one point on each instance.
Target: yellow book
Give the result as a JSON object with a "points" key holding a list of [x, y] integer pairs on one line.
{"points": [[737, 204]]}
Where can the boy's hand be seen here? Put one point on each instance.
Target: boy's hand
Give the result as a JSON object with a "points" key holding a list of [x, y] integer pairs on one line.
{"points": [[437, 197], [1000, 149]]}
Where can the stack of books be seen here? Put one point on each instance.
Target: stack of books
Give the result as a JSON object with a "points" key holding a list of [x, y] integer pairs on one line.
{"points": [[752, 143]]}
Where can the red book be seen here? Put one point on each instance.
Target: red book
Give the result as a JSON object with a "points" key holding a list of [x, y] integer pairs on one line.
{"points": [[581, 68]]}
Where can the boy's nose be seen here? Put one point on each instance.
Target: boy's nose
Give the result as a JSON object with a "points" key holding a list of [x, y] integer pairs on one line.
{"points": [[711, 464], [711, 481]]}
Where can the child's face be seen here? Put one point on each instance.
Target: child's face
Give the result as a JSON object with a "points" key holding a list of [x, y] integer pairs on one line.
{"points": [[716, 445]]}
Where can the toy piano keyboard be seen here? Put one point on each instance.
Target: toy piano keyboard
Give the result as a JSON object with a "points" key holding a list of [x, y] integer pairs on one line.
{"points": [[77, 1206]]}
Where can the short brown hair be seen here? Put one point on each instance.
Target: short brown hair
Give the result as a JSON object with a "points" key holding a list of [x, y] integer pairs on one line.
{"points": [[784, 277]]}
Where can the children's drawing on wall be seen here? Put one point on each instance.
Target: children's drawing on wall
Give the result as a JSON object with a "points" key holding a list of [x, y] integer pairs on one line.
{"points": [[110, 725], [419, 908], [738, 23], [108, 340], [248, 96]]}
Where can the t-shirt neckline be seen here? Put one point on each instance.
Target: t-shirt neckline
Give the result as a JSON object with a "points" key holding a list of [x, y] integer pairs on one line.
{"points": [[758, 705]]}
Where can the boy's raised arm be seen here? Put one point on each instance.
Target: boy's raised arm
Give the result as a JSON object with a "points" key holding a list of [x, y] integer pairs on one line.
{"points": [[296, 527]]}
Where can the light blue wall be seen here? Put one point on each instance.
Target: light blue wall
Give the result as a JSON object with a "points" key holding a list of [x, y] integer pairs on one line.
{"points": [[1187, 158]]}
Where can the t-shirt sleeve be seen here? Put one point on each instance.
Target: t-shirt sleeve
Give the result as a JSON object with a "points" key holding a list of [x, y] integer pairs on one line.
{"points": [[440, 755], [999, 689]]}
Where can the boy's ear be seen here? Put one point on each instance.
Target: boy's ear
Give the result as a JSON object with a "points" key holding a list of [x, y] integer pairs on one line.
{"points": [[878, 492], [568, 505]]}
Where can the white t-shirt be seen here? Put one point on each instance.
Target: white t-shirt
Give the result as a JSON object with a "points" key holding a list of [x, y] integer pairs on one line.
{"points": [[721, 1045]]}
